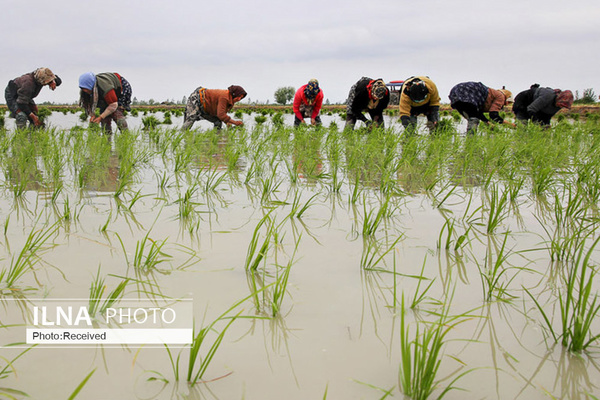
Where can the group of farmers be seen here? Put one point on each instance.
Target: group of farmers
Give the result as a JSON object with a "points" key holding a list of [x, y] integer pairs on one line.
{"points": [[111, 94]]}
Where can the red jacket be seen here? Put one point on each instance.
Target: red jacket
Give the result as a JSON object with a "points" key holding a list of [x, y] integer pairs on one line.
{"points": [[300, 98]]}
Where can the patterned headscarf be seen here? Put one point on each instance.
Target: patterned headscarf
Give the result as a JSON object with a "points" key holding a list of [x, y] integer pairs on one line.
{"points": [[237, 91], [564, 99], [312, 89], [377, 89], [43, 75]]}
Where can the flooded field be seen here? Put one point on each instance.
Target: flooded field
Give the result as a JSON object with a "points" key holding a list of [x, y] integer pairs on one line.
{"points": [[325, 264]]}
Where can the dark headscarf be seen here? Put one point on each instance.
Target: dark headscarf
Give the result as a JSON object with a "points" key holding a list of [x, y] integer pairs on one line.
{"points": [[237, 91], [417, 91]]}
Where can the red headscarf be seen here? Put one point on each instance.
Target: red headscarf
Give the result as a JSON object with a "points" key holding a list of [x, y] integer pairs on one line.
{"points": [[564, 99]]}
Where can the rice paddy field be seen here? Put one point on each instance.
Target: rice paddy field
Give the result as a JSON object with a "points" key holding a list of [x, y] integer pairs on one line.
{"points": [[321, 264]]}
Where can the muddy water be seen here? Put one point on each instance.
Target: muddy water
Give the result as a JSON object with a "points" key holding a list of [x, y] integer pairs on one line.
{"points": [[338, 330]]}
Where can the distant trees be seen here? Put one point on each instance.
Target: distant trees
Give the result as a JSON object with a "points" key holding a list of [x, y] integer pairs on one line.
{"points": [[589, 97], [284, 94]]}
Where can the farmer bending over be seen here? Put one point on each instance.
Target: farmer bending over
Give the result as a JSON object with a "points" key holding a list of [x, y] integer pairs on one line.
{"points": [[369, 95], [419, 96], [21, 91], [109, 92], [539, 104], [212, 105], [307, 103], [473, 99]]}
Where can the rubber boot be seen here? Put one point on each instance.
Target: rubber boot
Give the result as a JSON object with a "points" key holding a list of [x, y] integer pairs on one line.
{"points": [[106, 126], [187, 124], [431, 127], [21, 120], [122, 124], [472, 124]]}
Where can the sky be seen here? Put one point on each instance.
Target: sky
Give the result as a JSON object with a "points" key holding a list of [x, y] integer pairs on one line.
{"points": [[166, 49]]}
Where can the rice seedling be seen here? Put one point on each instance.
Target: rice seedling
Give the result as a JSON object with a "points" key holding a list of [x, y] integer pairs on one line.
{"points": [[497, 209], [213, 179], [81, 385], [421, 357], [167, 118], [292, 167], [542, 180], [97, 303], [104, 227], [148, 254], [67, 217], [493, 274], [260, 119], [6, 225], [187, 207], [150, 122], [298, 210], [437, 202], [255, 255], [58, 188], [6, 392], [124, 178], [374, 251], [36, 244], [163, 183], [572, 226], [372, 220], [43, 113], [579, 306], [253, 172], [277, 120], [356, 191], [182, 160], [281, 283], [386, 392], [137, 196], [269, 185], [197, 364], [514, 186], [452, 237]]}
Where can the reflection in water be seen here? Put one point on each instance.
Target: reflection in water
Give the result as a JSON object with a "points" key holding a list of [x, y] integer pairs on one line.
{"points": [[572, 375], [102, 178], [306, 154], [374, 292], [161, 388], [448, 261]]}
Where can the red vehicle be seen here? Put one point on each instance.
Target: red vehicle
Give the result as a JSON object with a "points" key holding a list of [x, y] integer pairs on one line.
{"points": [[395, 87]]}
